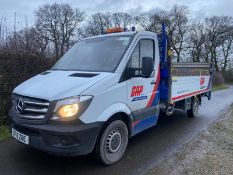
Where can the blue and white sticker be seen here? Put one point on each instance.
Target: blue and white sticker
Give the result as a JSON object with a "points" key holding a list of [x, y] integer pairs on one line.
{"points": [[143, 97]]}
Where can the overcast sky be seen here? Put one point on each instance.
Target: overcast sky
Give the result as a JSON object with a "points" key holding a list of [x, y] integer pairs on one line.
{"points": [[199, 8]]}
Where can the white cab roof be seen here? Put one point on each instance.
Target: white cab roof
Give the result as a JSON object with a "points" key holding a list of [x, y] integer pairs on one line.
{"points": [[130, 33]]}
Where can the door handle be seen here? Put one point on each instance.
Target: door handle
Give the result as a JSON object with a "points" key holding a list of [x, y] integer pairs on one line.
{"points": [[153, 82]]}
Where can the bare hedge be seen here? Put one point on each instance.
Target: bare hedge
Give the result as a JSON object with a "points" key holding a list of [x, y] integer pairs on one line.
{"points": [[14, 69], [228, 75], [218, 79]]}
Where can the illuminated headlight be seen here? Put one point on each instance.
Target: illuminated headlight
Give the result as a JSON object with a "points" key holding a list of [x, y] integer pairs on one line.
{"points": [[68, 111], [70, 108]]}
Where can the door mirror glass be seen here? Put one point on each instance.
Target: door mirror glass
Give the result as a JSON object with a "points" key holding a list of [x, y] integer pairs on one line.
{"points": [[147, 66]]}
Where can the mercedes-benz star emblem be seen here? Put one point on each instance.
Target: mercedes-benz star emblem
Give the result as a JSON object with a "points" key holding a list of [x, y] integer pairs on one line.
{"points": [[20, 106]]}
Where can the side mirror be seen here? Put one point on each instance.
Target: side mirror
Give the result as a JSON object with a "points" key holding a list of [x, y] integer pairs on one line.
{"points": [[147, 66]]}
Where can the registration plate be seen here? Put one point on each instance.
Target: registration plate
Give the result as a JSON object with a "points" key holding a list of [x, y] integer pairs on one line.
{"points": [[20, 137]]}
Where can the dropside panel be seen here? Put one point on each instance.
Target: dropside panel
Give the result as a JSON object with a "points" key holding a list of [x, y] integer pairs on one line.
{"points": [[189, 79], [184, 87]]}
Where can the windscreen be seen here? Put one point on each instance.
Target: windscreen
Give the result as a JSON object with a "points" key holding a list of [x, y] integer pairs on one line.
{"points": [[101, 54]]}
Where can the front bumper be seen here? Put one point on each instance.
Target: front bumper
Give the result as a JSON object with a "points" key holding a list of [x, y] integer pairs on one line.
{"points": [[61, 139]]}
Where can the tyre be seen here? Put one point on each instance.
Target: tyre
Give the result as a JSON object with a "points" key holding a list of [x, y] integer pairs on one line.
{"points": [[112, 143], [194, 108]]}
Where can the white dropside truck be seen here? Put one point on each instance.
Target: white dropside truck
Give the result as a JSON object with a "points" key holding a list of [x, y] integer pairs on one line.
{"points": [[103, 91]]}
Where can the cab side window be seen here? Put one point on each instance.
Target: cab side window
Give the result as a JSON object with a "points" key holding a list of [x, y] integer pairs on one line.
{"points": [[145, 48], [134, 59]]}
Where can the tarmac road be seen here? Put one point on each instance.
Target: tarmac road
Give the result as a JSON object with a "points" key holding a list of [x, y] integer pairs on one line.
{"points": [[144, 150]]}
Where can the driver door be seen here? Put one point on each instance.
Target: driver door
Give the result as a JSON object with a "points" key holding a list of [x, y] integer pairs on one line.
{"points": [[142, 91]]}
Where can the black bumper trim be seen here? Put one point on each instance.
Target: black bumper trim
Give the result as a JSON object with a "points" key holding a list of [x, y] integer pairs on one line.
{"points": [[62, 140]]}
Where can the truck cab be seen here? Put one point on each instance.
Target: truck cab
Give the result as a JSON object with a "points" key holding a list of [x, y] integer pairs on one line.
{"points": [[104, 90]]}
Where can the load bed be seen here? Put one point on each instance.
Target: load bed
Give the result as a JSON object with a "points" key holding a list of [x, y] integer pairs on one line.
{"points": [[188, 79]]}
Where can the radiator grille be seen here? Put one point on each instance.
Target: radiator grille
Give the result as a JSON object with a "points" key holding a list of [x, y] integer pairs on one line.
{"points": [[30, 108]]}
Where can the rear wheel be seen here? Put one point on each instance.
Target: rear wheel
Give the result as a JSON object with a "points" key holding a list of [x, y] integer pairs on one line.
{"points": [[194, 108], [113, 142]]}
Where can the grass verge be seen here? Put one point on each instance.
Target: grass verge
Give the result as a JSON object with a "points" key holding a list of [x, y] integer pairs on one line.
{"points": [[4, 132], [220, 87]]}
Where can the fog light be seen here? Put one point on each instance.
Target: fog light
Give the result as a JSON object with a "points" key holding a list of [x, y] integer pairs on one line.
{"points": [[69, 141]]}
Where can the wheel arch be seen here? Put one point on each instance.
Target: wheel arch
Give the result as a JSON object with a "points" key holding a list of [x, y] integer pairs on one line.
{"points": [[112, 110], [127, 119], [117, 111]]}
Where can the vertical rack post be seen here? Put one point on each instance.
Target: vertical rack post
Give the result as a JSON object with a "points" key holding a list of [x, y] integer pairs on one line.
{"points": [[164, 43]]}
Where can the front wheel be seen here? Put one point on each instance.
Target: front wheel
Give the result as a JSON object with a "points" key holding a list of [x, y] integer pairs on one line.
{"points": [[113, 142], [194, 108]]}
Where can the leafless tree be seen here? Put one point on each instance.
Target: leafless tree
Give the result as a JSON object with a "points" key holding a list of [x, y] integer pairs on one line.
{"points": [[196, 41], [226, 41], [178, 28], [217, 27], [121, 19], [152, 22], [226, 47], [143, 21], [60, 22], [176, 21], [96, 24]]}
